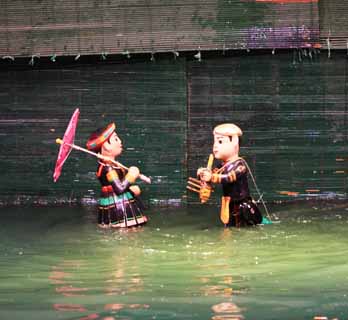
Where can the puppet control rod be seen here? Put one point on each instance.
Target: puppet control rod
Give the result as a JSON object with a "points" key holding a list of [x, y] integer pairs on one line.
{"points": [[99, 156]]}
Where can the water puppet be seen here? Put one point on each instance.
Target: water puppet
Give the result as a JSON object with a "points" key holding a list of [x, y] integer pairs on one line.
{"points": [[237, 206], [119, 203]]}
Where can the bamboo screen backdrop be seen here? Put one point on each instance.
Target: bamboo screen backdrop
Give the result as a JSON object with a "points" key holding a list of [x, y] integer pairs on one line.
{"points": [[146, 101], [82, 27], [292, 105], [294, 114]]}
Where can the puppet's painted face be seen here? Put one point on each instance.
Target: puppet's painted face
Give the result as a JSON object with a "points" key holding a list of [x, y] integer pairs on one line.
{"points": [[225, 148], [112, 147]]}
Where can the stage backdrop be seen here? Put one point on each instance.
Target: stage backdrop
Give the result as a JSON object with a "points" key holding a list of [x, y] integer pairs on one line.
{"points": [[51, 28], [333, 24], [293, 109], [147, 101]]}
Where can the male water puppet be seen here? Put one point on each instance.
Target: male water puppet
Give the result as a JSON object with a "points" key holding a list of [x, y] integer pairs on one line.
{"points": [[237, 207], [119, 205]]}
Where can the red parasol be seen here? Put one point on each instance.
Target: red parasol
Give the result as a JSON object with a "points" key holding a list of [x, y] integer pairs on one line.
{"points": [[66, 146]]}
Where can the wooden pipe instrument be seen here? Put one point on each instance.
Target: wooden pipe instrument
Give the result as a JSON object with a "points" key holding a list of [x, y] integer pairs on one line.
{"points": [[204, 189]]}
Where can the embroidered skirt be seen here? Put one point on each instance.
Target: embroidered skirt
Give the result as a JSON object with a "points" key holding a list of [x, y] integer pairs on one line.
{"points": [[120, 211]]}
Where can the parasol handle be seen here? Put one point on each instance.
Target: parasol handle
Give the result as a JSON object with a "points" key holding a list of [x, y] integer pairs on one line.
{"points": [[99, 156]]}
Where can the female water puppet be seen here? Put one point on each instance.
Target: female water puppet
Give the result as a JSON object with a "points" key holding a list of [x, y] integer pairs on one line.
{"points": [[119, 205], [237, 206]]}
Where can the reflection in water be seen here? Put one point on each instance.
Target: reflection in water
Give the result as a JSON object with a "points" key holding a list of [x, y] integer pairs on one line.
{"points": [[65, 284], [93, 316], [121, 277], [227, 309], [222, 286], [68, 307], [124, 279], [180, 266]]}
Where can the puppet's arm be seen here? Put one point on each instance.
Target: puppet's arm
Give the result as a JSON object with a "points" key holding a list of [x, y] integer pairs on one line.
{"points": [[230, 176], [117, 185]]}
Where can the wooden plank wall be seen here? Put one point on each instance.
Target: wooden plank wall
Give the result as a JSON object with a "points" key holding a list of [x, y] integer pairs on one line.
{"points": [[83, 27], [147, 101], [293, 110]]}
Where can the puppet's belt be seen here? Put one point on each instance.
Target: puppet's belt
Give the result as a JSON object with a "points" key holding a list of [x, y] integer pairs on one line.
{"points": [[107, 189]]}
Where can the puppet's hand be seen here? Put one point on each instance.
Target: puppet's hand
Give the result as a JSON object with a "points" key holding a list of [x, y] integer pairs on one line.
{"points": [[200, 171], [135, 190], [132, 174], [205, 175], [205, 192]]}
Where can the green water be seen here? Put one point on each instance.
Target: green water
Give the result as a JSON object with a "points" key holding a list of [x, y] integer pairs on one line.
{"points": [[56, 264]]}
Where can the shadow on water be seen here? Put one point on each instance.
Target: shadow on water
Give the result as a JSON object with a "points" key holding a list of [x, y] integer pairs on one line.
{"points": [[56, 263]]}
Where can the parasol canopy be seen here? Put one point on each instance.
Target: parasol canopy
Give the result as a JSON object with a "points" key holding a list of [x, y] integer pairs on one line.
{"points": [[66, 145]]}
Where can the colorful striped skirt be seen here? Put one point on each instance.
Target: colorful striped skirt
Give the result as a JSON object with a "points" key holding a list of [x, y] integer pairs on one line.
{"points": [[120, 211]]}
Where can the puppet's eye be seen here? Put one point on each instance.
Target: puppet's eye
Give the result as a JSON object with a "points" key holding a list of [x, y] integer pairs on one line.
{"points": [[220, 141]]}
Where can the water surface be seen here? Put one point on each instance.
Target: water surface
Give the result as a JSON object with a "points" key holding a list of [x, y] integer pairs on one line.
{"points": [[55, 263]]}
